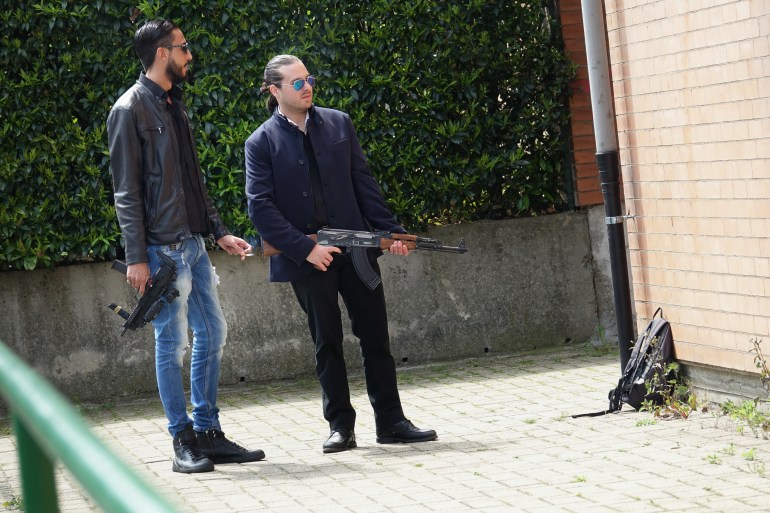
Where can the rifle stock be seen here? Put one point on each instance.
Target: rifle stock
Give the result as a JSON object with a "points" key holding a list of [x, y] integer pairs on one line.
{"points": [[119, 266], [269, 250]]}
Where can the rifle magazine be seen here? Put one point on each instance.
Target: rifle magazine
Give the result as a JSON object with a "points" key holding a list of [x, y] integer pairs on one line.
{"points": [[364, 268]]}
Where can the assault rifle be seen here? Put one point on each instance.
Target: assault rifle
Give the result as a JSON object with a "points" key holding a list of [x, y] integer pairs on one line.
{"points": [[157, 292], [357, 242]]}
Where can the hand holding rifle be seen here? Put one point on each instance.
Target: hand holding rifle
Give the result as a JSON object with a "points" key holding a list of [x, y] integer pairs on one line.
{"points": [[331, 239]]}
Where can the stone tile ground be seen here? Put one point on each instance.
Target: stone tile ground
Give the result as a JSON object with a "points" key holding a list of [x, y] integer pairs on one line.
{"points": [[507, 443]]}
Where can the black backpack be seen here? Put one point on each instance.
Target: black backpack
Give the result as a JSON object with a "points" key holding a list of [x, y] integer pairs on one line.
{"points": [[647, 365]]}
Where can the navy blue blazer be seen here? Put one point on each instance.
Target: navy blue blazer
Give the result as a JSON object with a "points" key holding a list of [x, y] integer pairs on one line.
{"points": [[280, 198]]}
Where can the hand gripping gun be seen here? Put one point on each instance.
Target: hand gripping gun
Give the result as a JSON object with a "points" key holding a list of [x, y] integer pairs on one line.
{"points": [[357, 242], [158, 292]]}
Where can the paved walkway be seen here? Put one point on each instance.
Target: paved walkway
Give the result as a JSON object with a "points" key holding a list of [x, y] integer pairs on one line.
{"points": [[507, 443]]}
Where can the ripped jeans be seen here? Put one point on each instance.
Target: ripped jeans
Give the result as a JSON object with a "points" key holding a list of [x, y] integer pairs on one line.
{"points": [[197, 307]]}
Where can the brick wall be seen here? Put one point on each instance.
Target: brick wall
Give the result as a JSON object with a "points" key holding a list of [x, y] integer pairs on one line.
{"points": [[587, 189], [691, 82]]}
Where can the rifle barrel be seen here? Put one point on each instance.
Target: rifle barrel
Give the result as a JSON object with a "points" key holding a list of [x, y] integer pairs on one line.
{"points": [[435, 245]]}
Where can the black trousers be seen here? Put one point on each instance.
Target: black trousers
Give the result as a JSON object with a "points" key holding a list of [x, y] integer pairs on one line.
{"points": [[318, 295]]}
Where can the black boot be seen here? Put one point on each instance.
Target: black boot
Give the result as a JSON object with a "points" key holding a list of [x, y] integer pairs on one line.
{"points": [[188, 458], [219, 449]]}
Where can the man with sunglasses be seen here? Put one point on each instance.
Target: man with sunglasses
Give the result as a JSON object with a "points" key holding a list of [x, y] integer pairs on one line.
{"points": [[163, 206], [305, 170]]}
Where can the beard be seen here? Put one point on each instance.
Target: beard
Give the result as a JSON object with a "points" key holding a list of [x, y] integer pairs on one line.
{"points": [[177, 74]]}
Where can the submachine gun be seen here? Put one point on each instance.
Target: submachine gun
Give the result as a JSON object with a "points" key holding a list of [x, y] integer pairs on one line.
{"points": [[158, 292], [357, 242]]}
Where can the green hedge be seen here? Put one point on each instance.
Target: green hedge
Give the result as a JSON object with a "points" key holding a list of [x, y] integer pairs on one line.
{"points": [[460, 106]]}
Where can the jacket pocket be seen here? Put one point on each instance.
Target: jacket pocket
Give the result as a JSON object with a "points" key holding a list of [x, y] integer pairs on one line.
{"points": [[341, 155], [153, 130]]}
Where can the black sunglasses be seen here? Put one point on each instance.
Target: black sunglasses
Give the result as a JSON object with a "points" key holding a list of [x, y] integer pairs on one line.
{"points": [[184, 46]]}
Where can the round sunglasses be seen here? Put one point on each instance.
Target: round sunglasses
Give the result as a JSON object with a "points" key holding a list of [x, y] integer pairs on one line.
{"points": [[300, 82]]}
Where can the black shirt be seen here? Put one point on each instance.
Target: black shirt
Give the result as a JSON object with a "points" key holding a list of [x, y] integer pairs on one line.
{"points": [[319, 205], [195, 204]]}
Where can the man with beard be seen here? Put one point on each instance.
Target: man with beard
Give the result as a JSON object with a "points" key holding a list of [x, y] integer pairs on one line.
{"points": [[305, 170], [163, 206]]}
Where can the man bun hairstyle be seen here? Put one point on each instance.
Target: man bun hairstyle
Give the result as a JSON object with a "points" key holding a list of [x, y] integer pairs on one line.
{"points": [[149, 37], [273, 77]]}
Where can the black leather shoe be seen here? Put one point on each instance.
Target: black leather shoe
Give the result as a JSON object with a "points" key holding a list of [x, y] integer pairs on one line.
{"points": [[405, 432], [188, 458], [215, 446], [340, 440]]}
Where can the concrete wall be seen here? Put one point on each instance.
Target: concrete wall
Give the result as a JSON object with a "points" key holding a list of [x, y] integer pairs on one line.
{"points": [[524, 284]]}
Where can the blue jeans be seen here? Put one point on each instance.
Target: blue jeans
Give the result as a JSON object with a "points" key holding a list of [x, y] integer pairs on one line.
{"points": [[197, 307]]}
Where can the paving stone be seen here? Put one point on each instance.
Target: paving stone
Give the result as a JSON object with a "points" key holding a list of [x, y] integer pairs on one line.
{"points": [[507, 443]]}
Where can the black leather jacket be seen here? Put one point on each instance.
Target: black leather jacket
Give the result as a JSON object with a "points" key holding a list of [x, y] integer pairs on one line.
{"points": [[146, 172]]}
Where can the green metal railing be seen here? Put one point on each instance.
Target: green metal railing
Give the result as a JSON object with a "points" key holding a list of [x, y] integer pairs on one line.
{"points": [[49, 429]]}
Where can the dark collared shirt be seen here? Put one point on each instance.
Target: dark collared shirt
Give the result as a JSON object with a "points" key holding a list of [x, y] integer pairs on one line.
{"points": [[193, 196], [195, 203], [319, 204]]}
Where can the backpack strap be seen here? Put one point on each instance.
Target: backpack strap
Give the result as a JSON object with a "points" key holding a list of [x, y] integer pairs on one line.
{"points": [[616, 402], [594, 414]]}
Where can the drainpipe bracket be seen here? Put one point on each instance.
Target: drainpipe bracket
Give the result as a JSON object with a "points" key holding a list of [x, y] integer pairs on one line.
{"points": [[617, 219]]}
